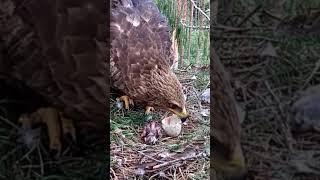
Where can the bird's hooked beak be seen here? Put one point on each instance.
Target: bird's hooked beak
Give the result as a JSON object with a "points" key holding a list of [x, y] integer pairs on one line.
{"points": [[183, 115], [234, 168]]}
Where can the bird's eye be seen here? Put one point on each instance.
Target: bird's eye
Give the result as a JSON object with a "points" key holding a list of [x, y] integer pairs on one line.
{"points": [[175, 107]]}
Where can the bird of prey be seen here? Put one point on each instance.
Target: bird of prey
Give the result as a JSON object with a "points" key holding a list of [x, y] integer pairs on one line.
{"points": [[141, 57], [225, 132], [58, 49]]}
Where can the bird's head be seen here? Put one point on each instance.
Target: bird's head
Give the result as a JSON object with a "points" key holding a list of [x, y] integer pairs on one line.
{"points": [[169, 94], [179, 109]]}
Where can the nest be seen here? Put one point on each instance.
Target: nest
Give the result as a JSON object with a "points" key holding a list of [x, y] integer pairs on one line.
{"points": [[182, 157], [268, 75]]}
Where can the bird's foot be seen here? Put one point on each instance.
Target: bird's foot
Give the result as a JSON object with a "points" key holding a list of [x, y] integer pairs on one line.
{"points": [[127, 101], [67, 127], [149, 109], [54, 121]]}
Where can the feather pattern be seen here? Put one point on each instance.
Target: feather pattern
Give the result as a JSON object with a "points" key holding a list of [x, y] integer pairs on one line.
{"points": [[226, 128], [58, 51], [141, 54]]}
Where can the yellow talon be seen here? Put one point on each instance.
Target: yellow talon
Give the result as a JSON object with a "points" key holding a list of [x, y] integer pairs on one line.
{"points": [[127, 101], [68, 127], [54, 120], [148, 110], [50, 117]]}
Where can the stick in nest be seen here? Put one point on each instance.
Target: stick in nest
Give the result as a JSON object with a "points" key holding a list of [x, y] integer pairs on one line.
{"points": [[177, 160], [150, 157], [316, 68], [249, 15]]}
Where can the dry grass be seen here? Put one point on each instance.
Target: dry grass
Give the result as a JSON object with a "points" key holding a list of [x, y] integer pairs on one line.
{"points": [[266, 86], [184, 157]]}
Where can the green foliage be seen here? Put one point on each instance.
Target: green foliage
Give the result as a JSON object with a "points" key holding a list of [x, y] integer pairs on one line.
{"points": [[198, 40], [203, 79], [175, 147]]}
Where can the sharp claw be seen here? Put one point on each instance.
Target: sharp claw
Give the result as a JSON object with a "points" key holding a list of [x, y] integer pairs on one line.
{"points": [[68, 127], [126, 104], [149, 110], [50, 117], [55, 146], [127, 101], [131, 102]]}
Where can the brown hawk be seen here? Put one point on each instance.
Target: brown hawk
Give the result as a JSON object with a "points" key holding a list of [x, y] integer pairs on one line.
{"points": [[58, 49], [141, 57], [225, 133]]}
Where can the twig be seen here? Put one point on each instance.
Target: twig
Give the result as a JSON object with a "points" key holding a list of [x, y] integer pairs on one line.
{"points": [[315, 69], [151, 157], [177, 160], [271, 15], [248, 16], [182, 174], [9, 122], [199, 101], [193, 27], [114, 174], [41, 161], [229, 28], [157, 174], [275, 97], [13, 151], [27, 154], [205, 15]]}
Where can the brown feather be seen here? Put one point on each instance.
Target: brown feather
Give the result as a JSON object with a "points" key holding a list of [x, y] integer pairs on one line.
{"points": [[227, 127], [55, 47], [141, 53], [226, 130]]}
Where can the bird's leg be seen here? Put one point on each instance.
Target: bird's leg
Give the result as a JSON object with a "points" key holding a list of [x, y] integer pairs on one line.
{"points": [[148, 110], [50, 117], [54, 120], [127, 101], [68, 127]]}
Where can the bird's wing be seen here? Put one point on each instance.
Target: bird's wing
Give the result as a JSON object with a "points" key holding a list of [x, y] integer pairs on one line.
{"points": [[140, 42], [140, 18], [62, 43], [226, 130]]}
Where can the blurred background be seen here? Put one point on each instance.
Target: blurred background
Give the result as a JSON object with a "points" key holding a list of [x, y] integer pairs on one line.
{"points": [[271, 50]]}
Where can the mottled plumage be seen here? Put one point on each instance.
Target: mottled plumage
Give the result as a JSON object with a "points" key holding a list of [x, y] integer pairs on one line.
{"points": [[141, 56], [57, 48], [226, 129]]}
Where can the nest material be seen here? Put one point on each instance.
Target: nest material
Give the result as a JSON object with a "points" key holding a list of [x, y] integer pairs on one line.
{"points": [[266, 85], [182, 157]]}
